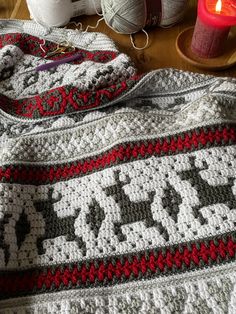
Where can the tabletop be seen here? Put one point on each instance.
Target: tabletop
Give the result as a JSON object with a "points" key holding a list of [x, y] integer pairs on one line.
{"points": [[161, 52]]}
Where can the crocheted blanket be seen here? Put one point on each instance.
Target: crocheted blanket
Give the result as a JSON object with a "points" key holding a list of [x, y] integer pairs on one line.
{"points": [[117, 191]]}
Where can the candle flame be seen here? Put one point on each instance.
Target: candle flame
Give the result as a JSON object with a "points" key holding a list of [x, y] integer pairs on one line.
{"points": [[218, 6]]}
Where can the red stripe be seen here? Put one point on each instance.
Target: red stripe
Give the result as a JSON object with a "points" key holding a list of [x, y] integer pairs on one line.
{"points": [[65, 99], [179, 258], [32, 45], [124, 152]]}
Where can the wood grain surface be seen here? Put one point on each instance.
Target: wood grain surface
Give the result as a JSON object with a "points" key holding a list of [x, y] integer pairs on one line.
{"points": [[7, 8], [161, 52]]}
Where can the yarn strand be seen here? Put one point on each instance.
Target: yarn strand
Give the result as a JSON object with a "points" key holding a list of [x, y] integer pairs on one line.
{"points": [[78, 25], [95, 8], [41, 46], [94, 27], [140, 48]]}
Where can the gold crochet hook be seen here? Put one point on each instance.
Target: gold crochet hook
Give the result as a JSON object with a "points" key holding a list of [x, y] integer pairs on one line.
{"points": [[61, 48]]}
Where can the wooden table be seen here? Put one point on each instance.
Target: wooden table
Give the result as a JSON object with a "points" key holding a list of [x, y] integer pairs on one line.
{"points": [[161, 52]]}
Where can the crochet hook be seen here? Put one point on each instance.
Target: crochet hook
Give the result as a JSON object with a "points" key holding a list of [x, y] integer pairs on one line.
{"points": [[47, 66]]}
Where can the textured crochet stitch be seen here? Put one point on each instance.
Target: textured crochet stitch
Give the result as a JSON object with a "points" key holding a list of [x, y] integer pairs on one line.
{"points": [[117, 191]]}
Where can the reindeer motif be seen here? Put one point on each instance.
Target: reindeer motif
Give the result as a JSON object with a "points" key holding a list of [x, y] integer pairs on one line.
{"points": [[54, 225], [132, 211], [208, 194]]}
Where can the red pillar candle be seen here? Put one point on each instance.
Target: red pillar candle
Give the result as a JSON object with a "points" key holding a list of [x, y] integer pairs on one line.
{"points": [[215, 17]]}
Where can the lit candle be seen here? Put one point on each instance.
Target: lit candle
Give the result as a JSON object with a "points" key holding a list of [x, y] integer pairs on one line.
{"points": [[215, 17]]}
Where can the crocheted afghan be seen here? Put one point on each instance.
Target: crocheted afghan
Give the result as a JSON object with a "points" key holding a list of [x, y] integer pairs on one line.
{"points": [[117, 191]]}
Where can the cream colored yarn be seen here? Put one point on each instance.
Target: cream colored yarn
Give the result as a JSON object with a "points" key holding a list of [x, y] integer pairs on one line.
{"points": [[129, 16]]}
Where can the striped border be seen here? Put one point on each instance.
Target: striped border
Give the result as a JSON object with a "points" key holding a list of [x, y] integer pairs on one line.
{"points": [[65, 99], [30, 44], [196, 139], [121, 269]]}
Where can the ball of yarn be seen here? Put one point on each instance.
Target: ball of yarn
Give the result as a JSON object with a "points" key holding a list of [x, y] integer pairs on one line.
{"points": [[172, 11], [130, 16], [124, 16], [59, 12]]}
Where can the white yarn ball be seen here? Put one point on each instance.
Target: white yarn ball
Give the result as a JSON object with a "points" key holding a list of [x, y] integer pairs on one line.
{"points": [[59, 12], [129, 16]]}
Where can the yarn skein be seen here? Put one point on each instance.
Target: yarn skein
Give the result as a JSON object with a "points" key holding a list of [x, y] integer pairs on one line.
{"points": [[131, 16], [59, 12]]}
